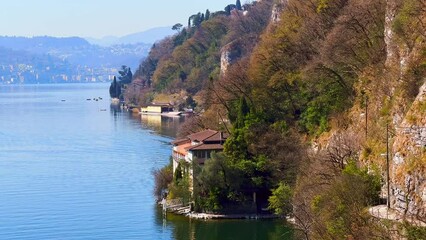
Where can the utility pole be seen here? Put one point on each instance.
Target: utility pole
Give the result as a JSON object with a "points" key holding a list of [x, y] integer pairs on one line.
{"points": [[366, 117], [387, 166]]}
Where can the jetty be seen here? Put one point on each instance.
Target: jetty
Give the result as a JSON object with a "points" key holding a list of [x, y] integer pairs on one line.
{"points": [[176, 206]]}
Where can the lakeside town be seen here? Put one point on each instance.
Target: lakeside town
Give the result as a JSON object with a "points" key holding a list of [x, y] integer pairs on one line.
{"points": [[30, 74]]}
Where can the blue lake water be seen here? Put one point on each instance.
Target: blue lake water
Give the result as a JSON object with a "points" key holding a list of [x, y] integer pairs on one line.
{"points": [[76, 169]]}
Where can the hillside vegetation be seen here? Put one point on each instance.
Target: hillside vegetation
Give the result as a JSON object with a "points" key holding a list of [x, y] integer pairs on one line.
{"points": [[307, 90]]}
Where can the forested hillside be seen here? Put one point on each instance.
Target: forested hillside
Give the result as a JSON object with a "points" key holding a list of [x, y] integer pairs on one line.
{"points": [[193, 56], [312, 93]]}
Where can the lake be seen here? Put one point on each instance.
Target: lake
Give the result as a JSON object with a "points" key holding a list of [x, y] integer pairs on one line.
{"points": [[72, 167]]}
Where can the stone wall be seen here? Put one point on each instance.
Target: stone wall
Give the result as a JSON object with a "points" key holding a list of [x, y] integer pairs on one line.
{"points": [[408, 133], [408, 168]]}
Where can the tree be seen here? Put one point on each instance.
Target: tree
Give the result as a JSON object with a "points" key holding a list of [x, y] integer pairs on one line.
{"points": [[229, 8], [340, 210], [126, 75], [207, 15], [238, 5], [177, 27], [197, 19], [190, 103], [162, 179], [216, 184], [115, 89], [243, 111], [178, 173], [280, 200]]}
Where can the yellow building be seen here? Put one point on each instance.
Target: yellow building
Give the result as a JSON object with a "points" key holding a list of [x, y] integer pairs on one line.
{"points": [[157, 109]]}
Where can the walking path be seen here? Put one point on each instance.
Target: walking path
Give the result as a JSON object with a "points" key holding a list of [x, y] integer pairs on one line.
{"points": [[382, 212]]}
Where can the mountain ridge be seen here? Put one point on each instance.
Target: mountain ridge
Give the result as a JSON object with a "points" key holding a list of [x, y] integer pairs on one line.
{"points": [[149, 36]]}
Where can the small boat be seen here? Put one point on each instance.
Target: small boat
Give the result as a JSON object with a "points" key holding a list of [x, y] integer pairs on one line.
{"points": [[88, 99], [63, 100], [103, 110]]}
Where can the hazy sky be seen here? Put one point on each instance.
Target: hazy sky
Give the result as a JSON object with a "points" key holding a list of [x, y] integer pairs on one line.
{"points": [[96, 18]]}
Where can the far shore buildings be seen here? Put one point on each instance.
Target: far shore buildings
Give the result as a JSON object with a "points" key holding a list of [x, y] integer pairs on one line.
{"points": [[198, 146]]}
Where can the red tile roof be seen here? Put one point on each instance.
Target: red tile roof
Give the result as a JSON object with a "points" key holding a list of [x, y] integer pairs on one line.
{"points": [[217, 137], [207, 140], [183, 149], [180, 141], [201, 136], [205, 147]]}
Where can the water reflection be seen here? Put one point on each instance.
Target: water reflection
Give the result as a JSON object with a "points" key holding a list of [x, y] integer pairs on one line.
{"points": [[115, 109], [163, 125], [183, 228]]}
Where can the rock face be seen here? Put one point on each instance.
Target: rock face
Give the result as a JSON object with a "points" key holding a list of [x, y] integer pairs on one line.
{"points": [[408, 165], [225, 61], [277, 9], [408, 171], [228, 55], [232, 51]]}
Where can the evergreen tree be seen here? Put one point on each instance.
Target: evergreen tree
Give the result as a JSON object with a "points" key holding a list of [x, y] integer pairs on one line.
{"points": [[115, 89], [238, 4], [197, 19], [229, 8], [112, 88], [243, 111], [190, 102], [207, 15], [126, 75], [178, 173], [177, 27]]}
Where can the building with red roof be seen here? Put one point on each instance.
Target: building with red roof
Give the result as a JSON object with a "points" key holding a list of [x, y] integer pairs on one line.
{"points": [[197, 147]]}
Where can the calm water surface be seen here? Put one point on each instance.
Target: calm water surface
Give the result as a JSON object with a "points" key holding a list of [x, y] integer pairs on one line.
{"points": [[76, 169]]}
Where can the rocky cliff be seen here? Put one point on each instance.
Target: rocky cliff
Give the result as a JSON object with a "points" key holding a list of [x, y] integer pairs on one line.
{"points": [[405, 64], [408, 171]]}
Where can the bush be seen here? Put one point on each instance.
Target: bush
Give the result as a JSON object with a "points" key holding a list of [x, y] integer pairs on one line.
{"points": [[340, 211], [414, 233], [280, 201], [162, 178]]}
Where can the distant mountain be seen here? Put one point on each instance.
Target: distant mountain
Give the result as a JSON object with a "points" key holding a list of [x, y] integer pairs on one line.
{"points": [[104, 42], [41, 43], [50, 59], [149, 37]]}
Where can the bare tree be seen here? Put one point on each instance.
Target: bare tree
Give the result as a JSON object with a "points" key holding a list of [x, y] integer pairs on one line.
{"points": [[342, 147]]}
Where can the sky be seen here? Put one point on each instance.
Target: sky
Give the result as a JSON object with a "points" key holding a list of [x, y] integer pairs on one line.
{"points": [[96, 18]]}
